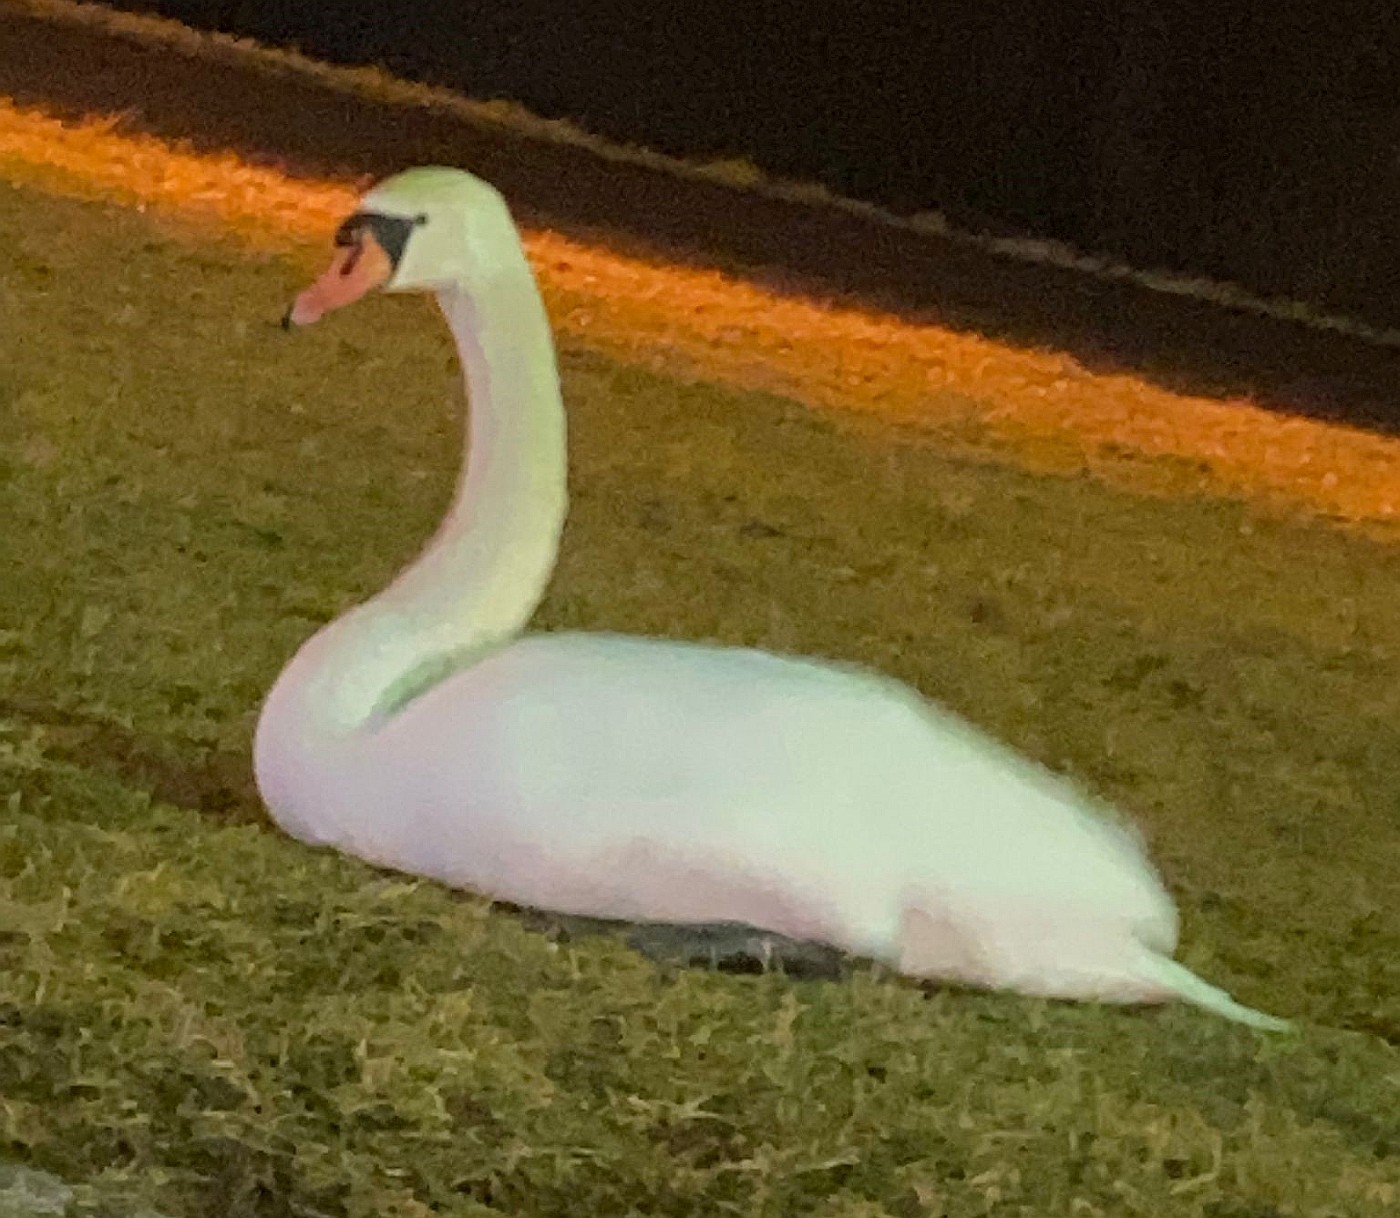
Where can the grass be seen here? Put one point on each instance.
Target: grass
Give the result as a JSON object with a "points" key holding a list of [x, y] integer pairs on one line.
{"points": [[200, 1016], [980, 396]]}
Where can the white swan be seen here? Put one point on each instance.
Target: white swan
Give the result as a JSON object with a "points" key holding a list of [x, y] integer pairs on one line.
{"points": [[643, 780]]}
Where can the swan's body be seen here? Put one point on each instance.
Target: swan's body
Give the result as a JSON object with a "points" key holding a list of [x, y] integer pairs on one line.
{"points": [[643, 780]]}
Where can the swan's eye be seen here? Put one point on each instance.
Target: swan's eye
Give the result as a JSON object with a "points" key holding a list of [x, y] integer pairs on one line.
{"points": [[350, 231]]}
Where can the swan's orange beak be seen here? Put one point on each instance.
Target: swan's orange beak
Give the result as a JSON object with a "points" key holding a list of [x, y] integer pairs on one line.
{"points": [[358, 268]]}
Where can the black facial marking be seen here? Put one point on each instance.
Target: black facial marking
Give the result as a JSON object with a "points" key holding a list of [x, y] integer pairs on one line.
{"points": [[392, 233]]}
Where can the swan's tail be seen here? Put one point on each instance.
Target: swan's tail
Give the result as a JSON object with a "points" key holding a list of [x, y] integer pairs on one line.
{"points": [[1178, 980]]}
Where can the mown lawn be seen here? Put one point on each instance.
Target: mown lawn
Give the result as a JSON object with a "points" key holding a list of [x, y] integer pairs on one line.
{"points": [[200, 1016]]}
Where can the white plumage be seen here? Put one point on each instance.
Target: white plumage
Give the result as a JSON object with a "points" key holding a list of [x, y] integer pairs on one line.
{"points": [[644, 780]]}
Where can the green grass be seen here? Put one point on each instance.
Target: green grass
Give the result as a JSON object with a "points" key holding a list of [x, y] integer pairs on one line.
{"points": [[200, 1015]]}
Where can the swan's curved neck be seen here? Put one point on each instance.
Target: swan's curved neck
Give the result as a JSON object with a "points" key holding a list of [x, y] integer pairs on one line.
{"points": [[480, 578]]}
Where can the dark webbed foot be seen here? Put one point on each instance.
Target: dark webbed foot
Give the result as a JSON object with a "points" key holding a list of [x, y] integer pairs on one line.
{"points": [[732, 947], [726, 947]]}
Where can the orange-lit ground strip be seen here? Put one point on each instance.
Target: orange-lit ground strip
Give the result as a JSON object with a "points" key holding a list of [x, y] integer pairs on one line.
{"points": [[1039, 408]]}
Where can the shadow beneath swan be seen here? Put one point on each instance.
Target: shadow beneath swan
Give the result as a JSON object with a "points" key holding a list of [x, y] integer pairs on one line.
{"points": [[220, 785], [725, 947]]}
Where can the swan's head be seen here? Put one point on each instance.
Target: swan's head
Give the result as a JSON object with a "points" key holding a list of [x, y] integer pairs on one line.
{"points": [[423, 230]]}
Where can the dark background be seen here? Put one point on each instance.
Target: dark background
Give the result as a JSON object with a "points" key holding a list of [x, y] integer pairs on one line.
{"points": [[1248, 141]]}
